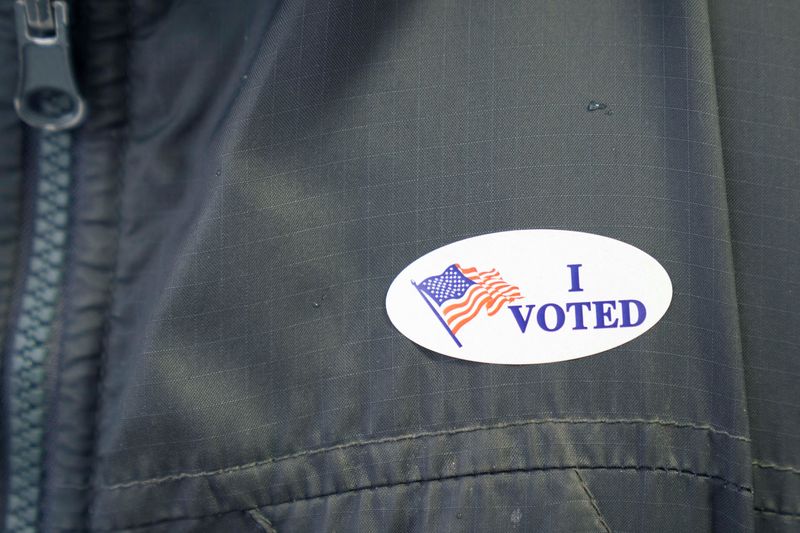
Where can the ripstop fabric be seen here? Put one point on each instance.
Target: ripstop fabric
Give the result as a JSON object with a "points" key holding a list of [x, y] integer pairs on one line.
{"points": [[254, 174]]}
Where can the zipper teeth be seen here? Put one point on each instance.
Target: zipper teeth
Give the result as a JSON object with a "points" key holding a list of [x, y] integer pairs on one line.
{"points": [[32, 338]]}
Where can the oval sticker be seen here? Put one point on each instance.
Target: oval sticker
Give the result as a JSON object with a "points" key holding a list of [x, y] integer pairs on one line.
{"points": [[529, 296]]}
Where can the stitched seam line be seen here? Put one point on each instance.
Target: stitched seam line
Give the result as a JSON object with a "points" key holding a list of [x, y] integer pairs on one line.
{"points": [[459, 431], [742, 489], [779, 468], [261, 520], [593, 502], [764, 510], [105, 340]]}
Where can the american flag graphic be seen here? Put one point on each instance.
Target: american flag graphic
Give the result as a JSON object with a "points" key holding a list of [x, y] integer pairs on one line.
{"points": [[462, 293]]}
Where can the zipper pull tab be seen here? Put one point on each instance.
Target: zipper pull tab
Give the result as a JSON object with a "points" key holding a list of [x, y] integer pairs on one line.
{"points": [[47, 95]]}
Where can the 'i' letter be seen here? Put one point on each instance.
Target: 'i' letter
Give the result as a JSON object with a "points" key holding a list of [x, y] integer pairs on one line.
{"points": [[576, 279]]}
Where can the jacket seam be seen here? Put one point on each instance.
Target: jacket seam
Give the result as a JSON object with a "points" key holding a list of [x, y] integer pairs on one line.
{"points": [[779, 468], [415, 436], [105, 346], [726, 483], [784, 514], [263, 523], [593, 502]]}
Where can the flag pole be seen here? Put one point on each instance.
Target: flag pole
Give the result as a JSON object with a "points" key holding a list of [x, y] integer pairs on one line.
{"points": [[444, 324]]}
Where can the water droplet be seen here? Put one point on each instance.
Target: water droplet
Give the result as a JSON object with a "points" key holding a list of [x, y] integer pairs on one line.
{"points": [[315, 305], [595, 106], [459, 516], [516, 516], [218, 172]]}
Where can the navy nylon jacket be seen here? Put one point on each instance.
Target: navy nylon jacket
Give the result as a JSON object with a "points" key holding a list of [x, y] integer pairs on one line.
{"points": [[203, 205]]}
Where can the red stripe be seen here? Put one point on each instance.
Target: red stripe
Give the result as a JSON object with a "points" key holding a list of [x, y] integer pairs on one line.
{"points": [[465, 320], [486, 275], [472, 270], [493, 311], [490, 292], [495, 285], [505, 290], [471, 292], [454, 314], [451, 317]]}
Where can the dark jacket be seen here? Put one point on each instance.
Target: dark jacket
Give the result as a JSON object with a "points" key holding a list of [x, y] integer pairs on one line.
{"points": [[193, 275]]}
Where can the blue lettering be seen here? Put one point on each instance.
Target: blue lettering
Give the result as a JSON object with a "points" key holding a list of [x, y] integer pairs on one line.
{"points": [[521, 322], [578, 306], [604, 314], [552, 317], [576, 281], [626, 313], [541, 319]]}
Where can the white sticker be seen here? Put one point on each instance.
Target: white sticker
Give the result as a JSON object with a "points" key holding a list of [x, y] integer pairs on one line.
{"points": [[529, 296]]}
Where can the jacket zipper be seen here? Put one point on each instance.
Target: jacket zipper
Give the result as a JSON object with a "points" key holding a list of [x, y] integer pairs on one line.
{"points": [[45, 67], [48, 100]]}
